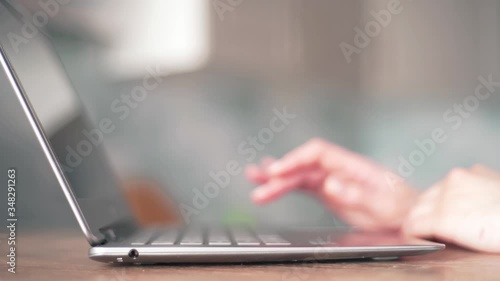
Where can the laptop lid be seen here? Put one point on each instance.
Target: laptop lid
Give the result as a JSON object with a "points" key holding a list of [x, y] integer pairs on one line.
{"points": [[30, 69]]}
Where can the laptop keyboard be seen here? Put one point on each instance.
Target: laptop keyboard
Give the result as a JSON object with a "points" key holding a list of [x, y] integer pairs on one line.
{"points": [[165, 239], [206, 237], [218, 238]]}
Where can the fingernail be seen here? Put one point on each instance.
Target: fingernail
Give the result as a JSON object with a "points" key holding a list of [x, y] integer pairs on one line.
{"points": [[333, 186]]}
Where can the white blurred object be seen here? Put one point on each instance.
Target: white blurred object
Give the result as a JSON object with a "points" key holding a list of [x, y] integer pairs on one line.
{"points": [[42, 77], [170, 35], [47, 86]]}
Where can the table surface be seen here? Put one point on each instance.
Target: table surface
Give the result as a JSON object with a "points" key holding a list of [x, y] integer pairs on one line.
{"points": [[63, 256]]}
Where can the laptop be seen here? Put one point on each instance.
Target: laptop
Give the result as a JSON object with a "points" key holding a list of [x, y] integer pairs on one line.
{"points": [[105, 218]]}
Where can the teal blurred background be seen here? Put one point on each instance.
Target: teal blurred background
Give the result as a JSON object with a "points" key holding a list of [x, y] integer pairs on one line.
{"points": [[229, 69]]}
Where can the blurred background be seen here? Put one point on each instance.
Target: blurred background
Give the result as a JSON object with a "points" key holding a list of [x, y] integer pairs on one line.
{"points": [[221, 69]]}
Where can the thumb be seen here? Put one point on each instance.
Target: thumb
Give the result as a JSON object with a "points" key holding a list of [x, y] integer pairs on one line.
{"points": [[420, 222]]}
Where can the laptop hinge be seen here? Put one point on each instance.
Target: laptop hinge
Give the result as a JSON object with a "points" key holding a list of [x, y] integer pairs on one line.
{"points": [[118, 230]]}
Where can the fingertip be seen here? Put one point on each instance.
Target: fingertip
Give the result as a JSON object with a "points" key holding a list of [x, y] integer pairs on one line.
{"points": [[267, 161], [260, 195], [276, 188], [258, 201], [255, 174], [251, 170]]}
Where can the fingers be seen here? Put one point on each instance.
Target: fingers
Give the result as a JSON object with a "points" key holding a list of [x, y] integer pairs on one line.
{"points": [[421, 220], [348, 201], [339, 193], [258, 174], [432, 216], [462, 209], [307, 180], [332, 159], [276, 188], [320, 154], [484, 171], [266, 162], [356, 189], [304, 156], [255, 174]]}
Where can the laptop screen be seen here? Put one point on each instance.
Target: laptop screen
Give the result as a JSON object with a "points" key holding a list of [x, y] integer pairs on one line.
{"points": [[76, 142]]}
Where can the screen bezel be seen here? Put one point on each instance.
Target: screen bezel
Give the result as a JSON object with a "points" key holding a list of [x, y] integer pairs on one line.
{"points": [[95, 234], [35, 124]]}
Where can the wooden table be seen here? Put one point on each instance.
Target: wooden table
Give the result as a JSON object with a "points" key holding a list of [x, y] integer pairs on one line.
{"points": [[63, 256]]}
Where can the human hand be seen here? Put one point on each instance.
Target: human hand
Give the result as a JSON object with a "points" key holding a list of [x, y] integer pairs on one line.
{"points": [[359, 191], [462, 209]]}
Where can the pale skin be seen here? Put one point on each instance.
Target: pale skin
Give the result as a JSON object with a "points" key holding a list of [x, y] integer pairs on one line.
{"points": [[463, 208]]}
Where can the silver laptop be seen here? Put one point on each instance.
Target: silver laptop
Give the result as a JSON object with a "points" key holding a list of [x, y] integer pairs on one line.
{"points": [[106, 220]]}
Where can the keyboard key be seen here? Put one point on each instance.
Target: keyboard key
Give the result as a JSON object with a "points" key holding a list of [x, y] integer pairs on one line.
{"points": [[219, 238], [142, 237], [168, 237], [193, 237], [245, 238], [273, 240]]}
